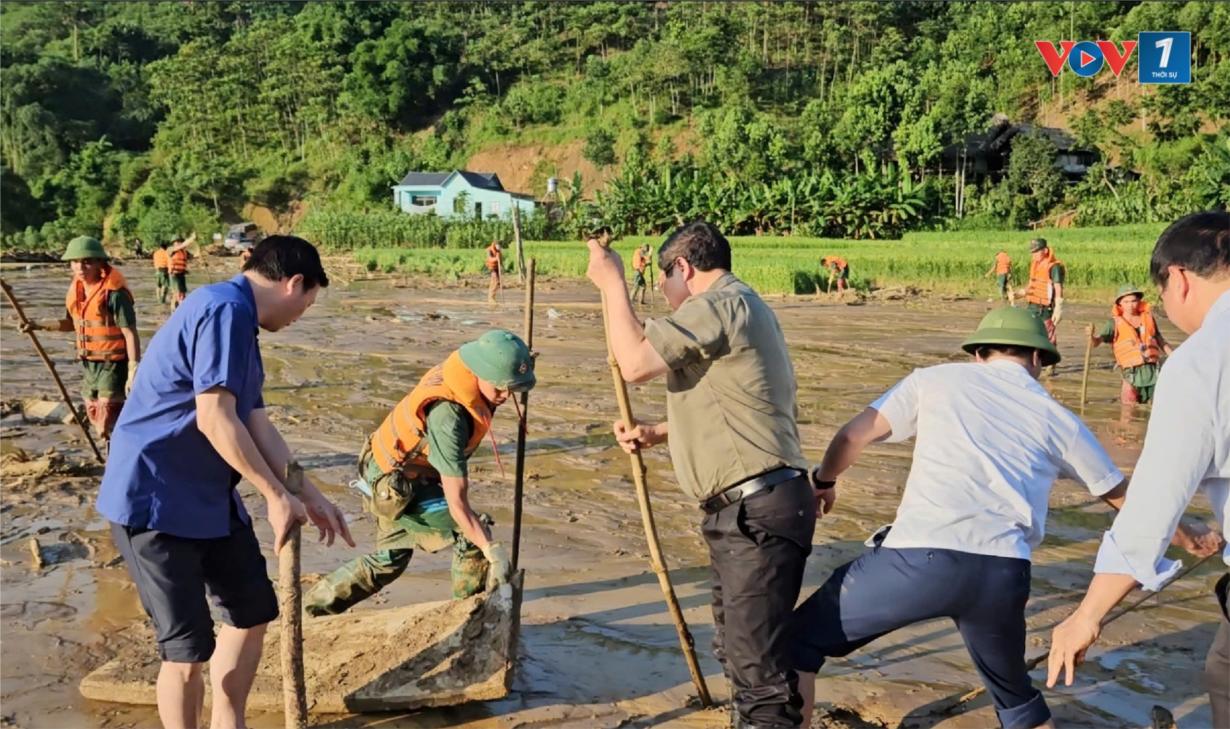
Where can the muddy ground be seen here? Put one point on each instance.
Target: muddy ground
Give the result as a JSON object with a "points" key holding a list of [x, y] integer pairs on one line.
{"points": [[598, 648]]}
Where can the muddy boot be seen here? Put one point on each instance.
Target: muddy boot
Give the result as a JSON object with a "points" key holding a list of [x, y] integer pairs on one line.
{"points": [[356, 581], [469, 571]]}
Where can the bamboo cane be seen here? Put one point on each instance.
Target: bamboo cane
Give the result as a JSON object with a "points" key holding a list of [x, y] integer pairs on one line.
{"points": [[519, 488], [1085, 376], [290, 599], [1039, 659], [201, 255], [651, 531], [42, 353]]}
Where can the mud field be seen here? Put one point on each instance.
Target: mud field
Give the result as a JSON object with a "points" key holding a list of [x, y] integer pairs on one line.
{"points": [[597, 645]]}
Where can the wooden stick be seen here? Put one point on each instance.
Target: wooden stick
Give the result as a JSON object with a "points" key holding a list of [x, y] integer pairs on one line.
{"points": [[651, 531], [1085, 376], [201, 255], [38, 347], [290, 605], [519, 488]]}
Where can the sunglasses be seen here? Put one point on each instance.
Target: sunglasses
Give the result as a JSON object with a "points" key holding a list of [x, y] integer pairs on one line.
{"points": [[666, 272]]}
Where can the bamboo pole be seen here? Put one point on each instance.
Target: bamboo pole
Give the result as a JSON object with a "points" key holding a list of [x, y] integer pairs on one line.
{"points": [[42, 353], [290, 605], [1085, 376], [651, 531], [519, 488]]}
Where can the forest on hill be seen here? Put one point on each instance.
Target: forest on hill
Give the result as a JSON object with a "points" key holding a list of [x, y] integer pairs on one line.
{"points": [[846, 120]]}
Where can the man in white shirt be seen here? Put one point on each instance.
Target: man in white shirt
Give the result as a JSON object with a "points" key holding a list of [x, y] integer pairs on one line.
{"points": [[1187, 448], [989, 443]]}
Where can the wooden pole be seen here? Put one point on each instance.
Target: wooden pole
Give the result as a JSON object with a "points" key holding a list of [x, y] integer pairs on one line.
{"points": [[651, 531], [42, 353], [519, 488], [1085, 376], [516, 221], [290, 605], [201, 255]]}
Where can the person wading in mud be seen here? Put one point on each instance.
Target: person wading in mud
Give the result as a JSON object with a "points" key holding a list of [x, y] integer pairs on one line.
{"points": [[1044, 294], [1002, 270], [640, 261], [99, 308], [413, 471], [162, 279], [1187, 448], [989, 442], [1138, 344], [194, 426], [839, 271], [495, 264], [177, 267], [734, 443]]}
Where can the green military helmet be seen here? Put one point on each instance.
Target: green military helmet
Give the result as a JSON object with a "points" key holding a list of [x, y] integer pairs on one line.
{"points": [[1128, 290], [83, 246], [501, 358], [1010, 325], [1037, 244]]}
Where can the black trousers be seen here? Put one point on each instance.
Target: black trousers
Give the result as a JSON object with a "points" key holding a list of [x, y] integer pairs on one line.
{"points": [[757, 549], [1217, 665]]}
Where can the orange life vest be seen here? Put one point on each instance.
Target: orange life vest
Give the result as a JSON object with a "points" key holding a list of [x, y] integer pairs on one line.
{"points": [[639, 261], [160, 258], [1003, 264], [493, 257], [98, 337], [401, 440], [179, 262], [839, 263], [1135, 346], [1041, 291]]}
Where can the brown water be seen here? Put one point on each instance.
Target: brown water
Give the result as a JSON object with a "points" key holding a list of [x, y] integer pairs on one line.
{"points": [[598, 647]]}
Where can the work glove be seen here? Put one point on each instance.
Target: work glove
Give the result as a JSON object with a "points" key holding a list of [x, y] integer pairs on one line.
{"points": [[132, 376], [1057, 315], [501, 566]]}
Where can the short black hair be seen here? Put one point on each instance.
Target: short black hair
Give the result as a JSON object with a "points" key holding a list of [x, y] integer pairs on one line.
{"points": [[1199, 242], [600, 231], [984, 351], [164, 244], [280, 257], [178, 240], [700, 244]]}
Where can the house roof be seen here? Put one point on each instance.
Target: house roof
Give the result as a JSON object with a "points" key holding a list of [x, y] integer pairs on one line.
{"points": [[424, 178], [482, 180]]}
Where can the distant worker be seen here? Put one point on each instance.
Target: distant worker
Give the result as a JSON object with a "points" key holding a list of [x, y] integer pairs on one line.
{"points": [[177, 266], [839, 270], [495, 264], [414, 475], [99, 309], [1002, 268], [1138, 344], [1045, 291], [162, 279], [640, 261]]}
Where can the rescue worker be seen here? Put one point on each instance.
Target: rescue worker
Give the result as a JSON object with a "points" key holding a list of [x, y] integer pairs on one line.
{"points": [[1187, 449], [413, 474], [839, 270], [1002, 269], [989, 444], [1045, 292], [640, 261], [177, 266], [1137, 342], [99, 308], [495, 264], [162, 279], [734, 443], [195, 427]]}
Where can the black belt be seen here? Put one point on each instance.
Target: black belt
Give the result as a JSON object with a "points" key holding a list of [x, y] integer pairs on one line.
{"points": [[750, 487]]}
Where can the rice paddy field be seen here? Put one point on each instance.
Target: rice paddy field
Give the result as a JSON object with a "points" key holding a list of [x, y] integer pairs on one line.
{"points": [[1098, 260]]}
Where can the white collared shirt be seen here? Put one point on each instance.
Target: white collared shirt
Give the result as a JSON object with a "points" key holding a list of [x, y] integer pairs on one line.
{"points": [[1187, 447], [990, 443]]}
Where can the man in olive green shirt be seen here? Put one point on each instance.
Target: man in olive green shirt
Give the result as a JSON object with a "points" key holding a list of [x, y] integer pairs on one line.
{"points": [[735, 448]]}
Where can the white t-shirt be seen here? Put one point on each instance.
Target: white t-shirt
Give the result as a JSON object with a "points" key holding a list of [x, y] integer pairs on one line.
{"points": [[990, 442]]}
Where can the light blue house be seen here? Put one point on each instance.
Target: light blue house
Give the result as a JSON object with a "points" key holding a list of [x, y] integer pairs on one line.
{"points": [[459, 193]]}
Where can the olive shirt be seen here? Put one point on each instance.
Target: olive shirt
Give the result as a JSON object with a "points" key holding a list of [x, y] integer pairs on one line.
{"points": [[730, 392], [449, 428]]}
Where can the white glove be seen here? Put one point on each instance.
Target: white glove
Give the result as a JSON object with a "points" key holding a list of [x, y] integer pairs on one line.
{"points": [[501, 566], [1057, 315], [132, 377]]}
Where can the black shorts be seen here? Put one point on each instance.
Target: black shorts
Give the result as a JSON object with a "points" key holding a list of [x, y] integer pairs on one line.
{"points": [[180, 280], [173, 575]]}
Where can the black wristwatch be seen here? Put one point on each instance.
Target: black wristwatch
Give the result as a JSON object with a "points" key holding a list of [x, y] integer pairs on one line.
{"points": [[817, 484]]}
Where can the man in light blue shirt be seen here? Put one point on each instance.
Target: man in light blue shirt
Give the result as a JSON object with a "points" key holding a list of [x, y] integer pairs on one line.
{"points": [[1187, 448], [194, 425]]}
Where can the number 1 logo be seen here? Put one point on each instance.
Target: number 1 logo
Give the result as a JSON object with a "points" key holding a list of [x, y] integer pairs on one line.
{"points": [[1165, 57]]}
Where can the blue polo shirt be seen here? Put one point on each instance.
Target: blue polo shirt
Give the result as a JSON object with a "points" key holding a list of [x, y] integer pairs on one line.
{"points": [[162, 473]]}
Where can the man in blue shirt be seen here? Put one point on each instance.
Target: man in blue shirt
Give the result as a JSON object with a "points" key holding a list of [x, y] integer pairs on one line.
{"points": [[194, 426]]}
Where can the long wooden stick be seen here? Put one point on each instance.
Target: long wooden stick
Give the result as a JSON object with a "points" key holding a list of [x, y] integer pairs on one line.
{"points": [[1039, 659], [651, 531], [519, 488], [1085, 376], [38, 347], [290, 605]]}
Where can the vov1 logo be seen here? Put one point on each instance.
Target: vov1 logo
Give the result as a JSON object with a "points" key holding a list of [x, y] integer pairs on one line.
{"points": [[1165, 57]]}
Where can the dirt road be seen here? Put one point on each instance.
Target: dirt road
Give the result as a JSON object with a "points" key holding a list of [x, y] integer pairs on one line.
{"points": [[598, 648]]}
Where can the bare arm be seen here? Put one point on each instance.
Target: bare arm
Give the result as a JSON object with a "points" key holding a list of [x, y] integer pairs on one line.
{"points": [[638, 360], [457, 494], [866, 428], [1161, 342], [1058, 291], [132, 342]]}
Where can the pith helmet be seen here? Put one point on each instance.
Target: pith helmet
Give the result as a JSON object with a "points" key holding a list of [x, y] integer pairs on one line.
{"points": [[501, 358], [1128, 290], [1037, 244], [1009, 325], [84, 247]]}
